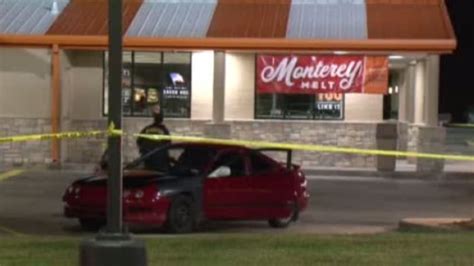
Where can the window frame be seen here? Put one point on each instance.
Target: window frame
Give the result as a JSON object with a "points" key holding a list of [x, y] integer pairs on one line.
{"points": [[133, 85]]}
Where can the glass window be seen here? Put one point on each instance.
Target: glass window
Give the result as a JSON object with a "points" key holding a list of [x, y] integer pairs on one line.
{"points": [[299, 106], [327, 106], [154, 77], [234, 160], [270, 105], [259, 164], [390, 100], [177, 84], [126, 82]]}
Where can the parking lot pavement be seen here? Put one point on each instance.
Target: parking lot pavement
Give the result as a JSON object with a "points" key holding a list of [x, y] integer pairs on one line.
{"points": [[30, 203]]}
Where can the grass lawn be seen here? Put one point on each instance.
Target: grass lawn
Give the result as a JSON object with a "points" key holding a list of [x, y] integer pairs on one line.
{"points": [[263, 249]]}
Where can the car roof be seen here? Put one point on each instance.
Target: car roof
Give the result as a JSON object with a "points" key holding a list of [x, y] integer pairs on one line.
{"points": [[210, 145]]}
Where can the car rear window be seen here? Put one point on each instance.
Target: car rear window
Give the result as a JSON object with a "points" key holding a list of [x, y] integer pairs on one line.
{"points": [[259, 163]]}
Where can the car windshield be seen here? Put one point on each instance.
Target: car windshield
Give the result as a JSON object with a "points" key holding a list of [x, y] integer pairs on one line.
{"points": [[180, 160]]}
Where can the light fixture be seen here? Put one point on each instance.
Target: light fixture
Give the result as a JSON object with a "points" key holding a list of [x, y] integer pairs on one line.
{"points": [[340, 52], [396, 57], [390, 90], [396, 89]]}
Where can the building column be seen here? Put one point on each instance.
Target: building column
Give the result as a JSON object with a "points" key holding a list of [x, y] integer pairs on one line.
{"points": [[402, 100], [218, 129], [410, 92], [424, 134], [419, 95], [219, 88], [431, 91], [404, 103], [55, 101]]}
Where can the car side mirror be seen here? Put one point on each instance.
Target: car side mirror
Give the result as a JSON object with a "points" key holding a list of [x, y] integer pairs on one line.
{"points": [[221, 171]]}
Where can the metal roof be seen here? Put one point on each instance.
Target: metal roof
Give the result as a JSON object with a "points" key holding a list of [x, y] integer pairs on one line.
{"points": [[90, 17], [250, 19], [327, 19], [409, 19], [173, 18], [254, 25], [28, 16]]}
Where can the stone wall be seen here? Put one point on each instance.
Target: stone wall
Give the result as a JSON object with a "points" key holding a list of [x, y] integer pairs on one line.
{"points": [[427, 140], [37, 152], [89, 150], [337, 134], [360, 135], [343, 134], [403, 136]]}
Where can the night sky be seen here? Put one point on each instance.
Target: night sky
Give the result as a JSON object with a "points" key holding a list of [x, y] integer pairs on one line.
{"points": [[457, 69]]}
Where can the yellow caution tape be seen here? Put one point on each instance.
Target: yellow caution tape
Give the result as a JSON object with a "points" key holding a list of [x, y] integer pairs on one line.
{"points": [[9, 174], [112, 132], [309, 147], [39, 137], [12, 232], [461, 125]]}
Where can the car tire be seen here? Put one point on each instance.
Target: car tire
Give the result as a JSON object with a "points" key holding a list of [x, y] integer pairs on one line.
{"points": [[284, 222], [91, 224], [181, 215]]}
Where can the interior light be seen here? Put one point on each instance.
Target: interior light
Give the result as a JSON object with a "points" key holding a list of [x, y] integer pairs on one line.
{"points": [[395, 57], [396, 89], [340, 52], [390, 90]]}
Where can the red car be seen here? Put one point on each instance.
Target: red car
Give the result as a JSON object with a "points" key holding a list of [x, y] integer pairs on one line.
{"points": [[202, 182]]}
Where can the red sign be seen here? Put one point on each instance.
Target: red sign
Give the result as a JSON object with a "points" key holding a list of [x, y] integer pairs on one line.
{"points": [[318, 74]]}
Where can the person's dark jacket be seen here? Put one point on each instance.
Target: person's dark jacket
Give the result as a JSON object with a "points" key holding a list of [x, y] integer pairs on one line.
{"points": [[159, 160]]}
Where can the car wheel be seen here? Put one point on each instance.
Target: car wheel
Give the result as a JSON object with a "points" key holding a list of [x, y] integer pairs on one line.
{"points": [[181, 215], [91, 224], [284, 222]]}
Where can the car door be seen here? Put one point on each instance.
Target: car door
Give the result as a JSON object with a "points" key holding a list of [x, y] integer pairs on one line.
{"points": [[228, 197], [271, 185]]}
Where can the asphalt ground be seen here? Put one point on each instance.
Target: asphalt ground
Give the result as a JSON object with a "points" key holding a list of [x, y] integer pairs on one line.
{"points": [[30, 203]]}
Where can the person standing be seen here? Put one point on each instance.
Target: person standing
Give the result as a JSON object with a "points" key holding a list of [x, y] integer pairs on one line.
{"points": [[158, 160]]}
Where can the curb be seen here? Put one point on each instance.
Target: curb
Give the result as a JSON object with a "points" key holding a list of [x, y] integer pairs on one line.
{"points": [[436, 224]]}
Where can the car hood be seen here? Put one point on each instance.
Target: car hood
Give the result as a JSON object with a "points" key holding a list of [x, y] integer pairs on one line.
{"points": [[131, 178]]}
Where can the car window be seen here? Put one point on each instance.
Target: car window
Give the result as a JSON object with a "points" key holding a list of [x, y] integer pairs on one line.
{"points": [[234, 160], [180, 160], [259, 164], [194, 159]]}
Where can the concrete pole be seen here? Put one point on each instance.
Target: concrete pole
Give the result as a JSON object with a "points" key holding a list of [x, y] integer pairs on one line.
{"points": [[219, 88], [420, 88], [431, 91]]}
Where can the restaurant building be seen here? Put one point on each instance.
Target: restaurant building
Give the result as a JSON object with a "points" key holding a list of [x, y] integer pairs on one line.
{"points": [[351, 73]]}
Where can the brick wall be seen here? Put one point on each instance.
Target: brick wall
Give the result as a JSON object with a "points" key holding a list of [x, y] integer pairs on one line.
{"points": [[340, 134], [36, 152], [89, 150]]}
